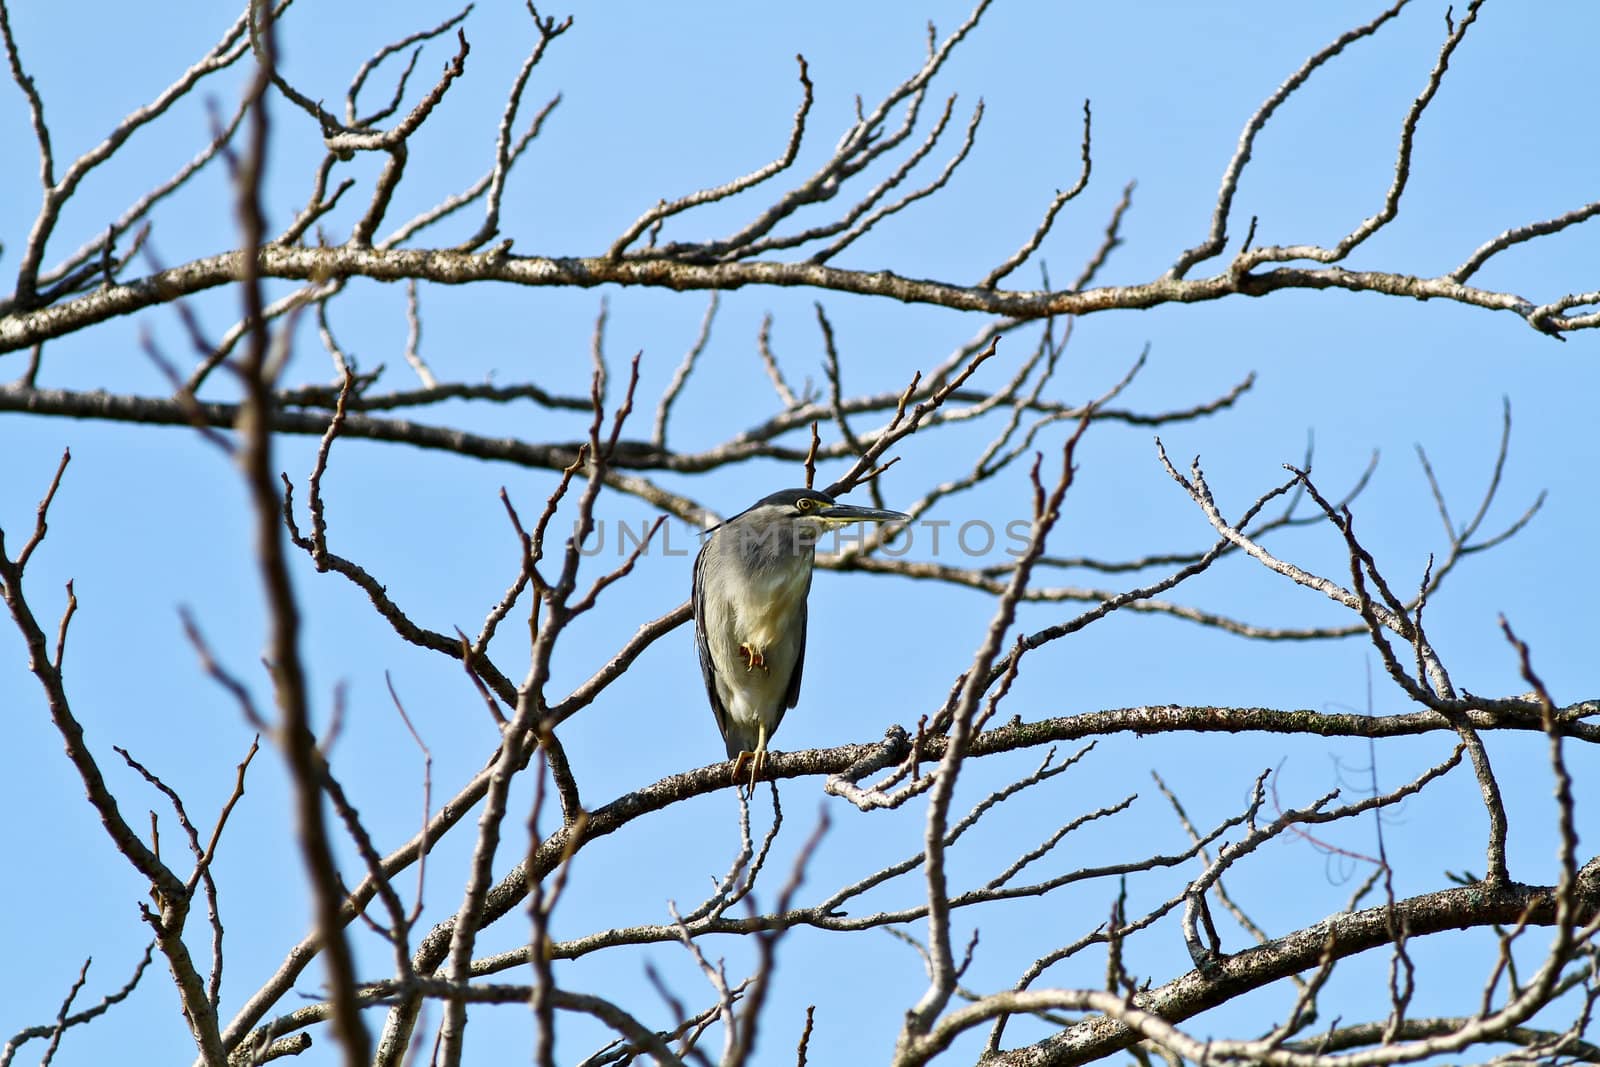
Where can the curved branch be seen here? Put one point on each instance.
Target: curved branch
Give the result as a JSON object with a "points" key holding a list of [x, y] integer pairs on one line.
{"points": [[22, 328]]}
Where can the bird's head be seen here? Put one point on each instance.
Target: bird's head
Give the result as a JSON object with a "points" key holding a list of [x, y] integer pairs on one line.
{"points": [[814, 509]]}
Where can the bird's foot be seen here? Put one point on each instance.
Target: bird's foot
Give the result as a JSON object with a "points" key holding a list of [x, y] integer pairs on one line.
{"points": [[757, 762], [752, 657]]}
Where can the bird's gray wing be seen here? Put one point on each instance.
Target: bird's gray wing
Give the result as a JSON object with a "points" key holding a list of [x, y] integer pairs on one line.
{"points": [[792, 696], [707, 668]]}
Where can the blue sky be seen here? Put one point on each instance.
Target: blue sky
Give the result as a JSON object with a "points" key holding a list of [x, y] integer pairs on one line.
{"points": [[659, 100]]}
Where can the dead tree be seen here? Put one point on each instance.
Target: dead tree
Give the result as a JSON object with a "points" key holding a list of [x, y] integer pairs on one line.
{"points": [[1118, 930]]}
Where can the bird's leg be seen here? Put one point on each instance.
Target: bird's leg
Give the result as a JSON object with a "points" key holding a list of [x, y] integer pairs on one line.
{"points": [[757, 761], [752, 657], [738, 766]]}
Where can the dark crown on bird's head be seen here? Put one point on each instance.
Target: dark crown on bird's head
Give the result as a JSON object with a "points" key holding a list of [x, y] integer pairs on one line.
{"points": [[802, 500]]}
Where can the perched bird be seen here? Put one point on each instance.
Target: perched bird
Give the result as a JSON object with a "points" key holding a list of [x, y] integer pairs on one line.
{"points": [[751, 579]]}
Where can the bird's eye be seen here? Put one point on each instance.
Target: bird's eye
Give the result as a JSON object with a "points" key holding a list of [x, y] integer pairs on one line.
{"points": [[804, 503]]}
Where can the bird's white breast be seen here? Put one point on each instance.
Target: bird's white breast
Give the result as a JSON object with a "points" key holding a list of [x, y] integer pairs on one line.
{"points": [[778, 595]]}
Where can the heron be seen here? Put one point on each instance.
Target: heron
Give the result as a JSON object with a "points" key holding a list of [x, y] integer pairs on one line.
{"points": [[751, 580]]}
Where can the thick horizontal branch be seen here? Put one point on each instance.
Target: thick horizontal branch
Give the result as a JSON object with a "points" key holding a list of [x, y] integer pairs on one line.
{"points": [[1160, 719], [290, 418], [20, 329]]}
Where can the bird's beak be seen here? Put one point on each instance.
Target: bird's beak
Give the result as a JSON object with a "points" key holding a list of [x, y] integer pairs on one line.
{"points": [[843, 513]]}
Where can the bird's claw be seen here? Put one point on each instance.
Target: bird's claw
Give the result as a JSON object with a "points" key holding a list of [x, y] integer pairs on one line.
{"points": [[752, 657], [757, 762]]}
